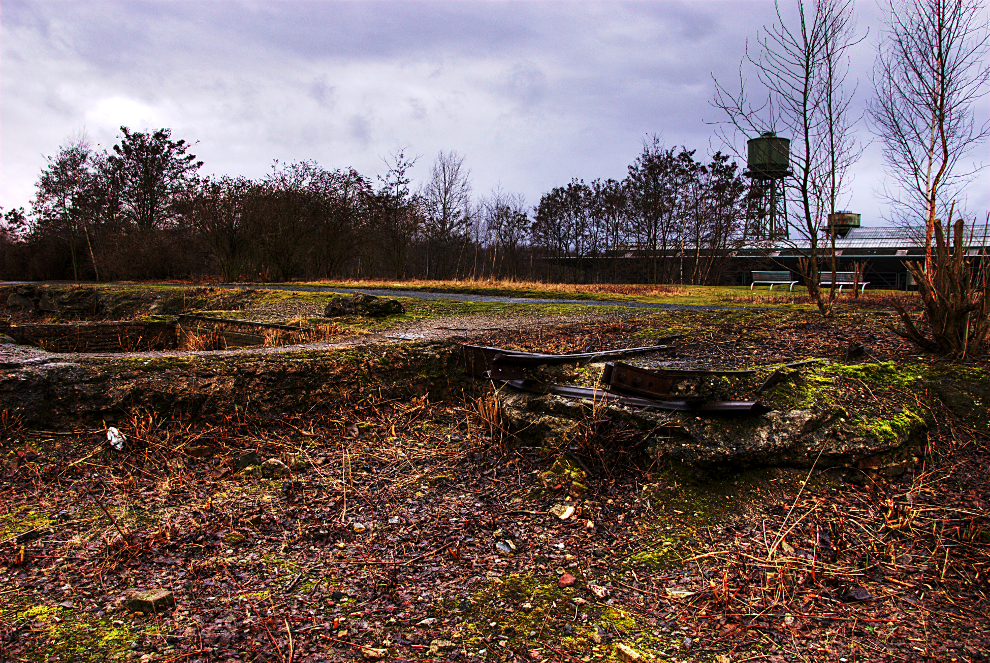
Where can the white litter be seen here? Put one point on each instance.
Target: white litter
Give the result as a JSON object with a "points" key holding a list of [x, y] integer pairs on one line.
{"points": [[116, 438]]}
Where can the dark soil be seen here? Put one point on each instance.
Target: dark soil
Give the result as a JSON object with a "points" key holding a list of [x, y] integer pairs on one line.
{"points": [[412, 528]]}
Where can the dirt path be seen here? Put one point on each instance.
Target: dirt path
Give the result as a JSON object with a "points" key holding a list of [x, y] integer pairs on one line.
{"points": [[464, 327]]}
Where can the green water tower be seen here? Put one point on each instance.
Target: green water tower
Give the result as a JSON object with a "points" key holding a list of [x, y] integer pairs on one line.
{"points": [[768, 163]]}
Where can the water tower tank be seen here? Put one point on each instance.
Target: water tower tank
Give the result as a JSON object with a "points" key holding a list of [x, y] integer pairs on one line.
{"points": [[769, 156], [842, 222]]}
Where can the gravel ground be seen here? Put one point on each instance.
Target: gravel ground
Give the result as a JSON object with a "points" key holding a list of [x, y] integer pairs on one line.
{"points": [[464, 327]]}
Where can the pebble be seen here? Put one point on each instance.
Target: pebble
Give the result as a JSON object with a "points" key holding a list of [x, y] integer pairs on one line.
{"points": [[566, 580], [372, 654], [562, 511], [628, 654]]}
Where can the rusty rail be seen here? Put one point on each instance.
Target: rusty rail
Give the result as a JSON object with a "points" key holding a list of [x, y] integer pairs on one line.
{"points": [[501, 364], [601, 395]]}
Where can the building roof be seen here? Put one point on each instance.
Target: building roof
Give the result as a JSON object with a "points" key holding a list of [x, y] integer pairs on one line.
{"points": [[886, 240]]}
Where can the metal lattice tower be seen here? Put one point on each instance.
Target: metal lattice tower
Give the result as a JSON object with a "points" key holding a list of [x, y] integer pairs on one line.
{"points": [[768, 163]]}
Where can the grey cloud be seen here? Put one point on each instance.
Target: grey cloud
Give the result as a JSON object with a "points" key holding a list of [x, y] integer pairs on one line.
{"points": [[531, 92], [322, 92], [526, 84], [359, 127]]}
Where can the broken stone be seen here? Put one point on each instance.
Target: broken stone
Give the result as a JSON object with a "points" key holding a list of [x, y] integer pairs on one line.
{"points": [[781, 437], [79, 300], [566, 580], [149, 601], [506, 547], [273, 468], [246, 460], [361, 304], [373, 654], [46, 303], [599, 591], [296, 462], [251, 472], [856, 594], [436, 646], [20, 301], [562, 511], [627, 653], [968, 400], [360, 527]]}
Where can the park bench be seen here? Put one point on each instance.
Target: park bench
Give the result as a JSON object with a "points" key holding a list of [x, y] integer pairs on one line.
{"points": [[841, 279], [772, 279]]}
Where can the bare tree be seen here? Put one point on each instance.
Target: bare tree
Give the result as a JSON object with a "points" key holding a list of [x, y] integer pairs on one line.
{"points": [[803, 69], [505, 221], [610, 209], [447, 206], [655, 185], [396, 213], [930, 69], [59, 206], [218, 213]]}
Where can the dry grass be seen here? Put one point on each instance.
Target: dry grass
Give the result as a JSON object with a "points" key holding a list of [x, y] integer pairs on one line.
{"points": [[320, 333], [629, 289], [201, 338]]}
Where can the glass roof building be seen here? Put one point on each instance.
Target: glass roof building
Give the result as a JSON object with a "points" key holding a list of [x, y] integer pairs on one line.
{"points": [[882, 250]]}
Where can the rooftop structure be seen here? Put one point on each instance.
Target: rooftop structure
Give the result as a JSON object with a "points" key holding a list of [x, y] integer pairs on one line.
{"points": [[882, 240]]}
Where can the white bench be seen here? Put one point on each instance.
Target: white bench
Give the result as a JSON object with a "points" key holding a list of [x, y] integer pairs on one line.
{"points": [[841, 279], [772, 279]]}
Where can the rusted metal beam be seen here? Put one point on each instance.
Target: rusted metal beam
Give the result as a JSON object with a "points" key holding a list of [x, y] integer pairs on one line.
{"points": [[500, 364], [658, 382], [603, 396]]}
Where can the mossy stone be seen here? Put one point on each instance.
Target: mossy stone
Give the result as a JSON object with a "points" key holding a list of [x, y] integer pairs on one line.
{"points": [[150, 600]]}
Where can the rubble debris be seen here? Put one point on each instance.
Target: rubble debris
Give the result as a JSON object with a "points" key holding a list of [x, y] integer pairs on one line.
{"points": [[562, 511]]}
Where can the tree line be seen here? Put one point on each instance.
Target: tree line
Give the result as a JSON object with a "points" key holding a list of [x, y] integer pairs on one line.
{"points": [[143, 211]]}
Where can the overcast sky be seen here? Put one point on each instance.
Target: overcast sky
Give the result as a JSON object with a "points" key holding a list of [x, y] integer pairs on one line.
{"points": [[530, 93]]}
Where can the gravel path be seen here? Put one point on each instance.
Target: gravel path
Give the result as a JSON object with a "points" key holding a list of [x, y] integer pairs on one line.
{"points": [[464, 297], [12, 356], [464, 327]]}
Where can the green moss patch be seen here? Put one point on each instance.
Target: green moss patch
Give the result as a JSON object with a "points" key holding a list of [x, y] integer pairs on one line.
{"points": [[70, 635]]}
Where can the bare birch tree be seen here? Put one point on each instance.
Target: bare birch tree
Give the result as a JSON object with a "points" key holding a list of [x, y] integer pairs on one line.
{"points": [[930, 70], [803, 69], [447, 214]]}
